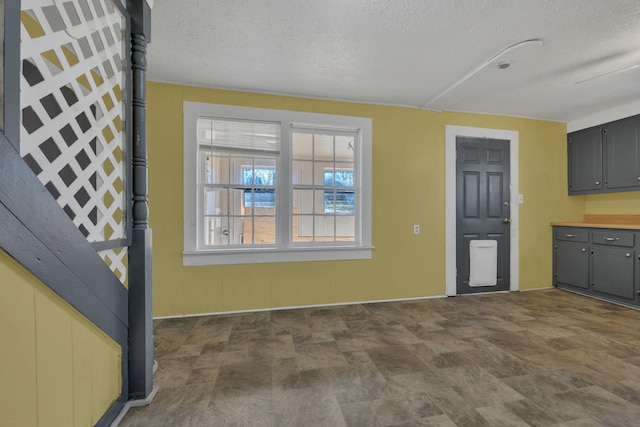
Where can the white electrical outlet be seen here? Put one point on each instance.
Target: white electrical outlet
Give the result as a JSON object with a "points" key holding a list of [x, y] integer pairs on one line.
{"points": [[416, 228]]}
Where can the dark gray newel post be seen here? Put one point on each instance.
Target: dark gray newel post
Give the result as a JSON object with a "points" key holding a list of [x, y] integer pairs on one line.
{"points": [[140, 310]]}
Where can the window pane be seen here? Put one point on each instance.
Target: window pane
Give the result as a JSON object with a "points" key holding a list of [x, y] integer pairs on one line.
{"points": [[264, 175], [345, 228], [328, 202], [241, 170], [323, 173], [323, 147], [235, 230], [247, 200], [344, 148], [302, 146], [263, 199], [223, 230], [328, 177], [302, 173], [243, 134], [215, 169], [302, 201], [215, 201], [325, 201], [260, 176], [339, 202], [265, 168], [236, 198], [324, 228], [345, 202], [214, 231], [302, 228], [264, 230], [208, 228], [344, 175]]}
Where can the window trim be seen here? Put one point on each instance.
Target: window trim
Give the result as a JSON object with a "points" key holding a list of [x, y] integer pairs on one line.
{"points": [[283, 251]]}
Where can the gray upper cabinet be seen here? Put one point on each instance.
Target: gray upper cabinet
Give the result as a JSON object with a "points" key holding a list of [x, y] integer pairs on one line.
{"points": [[606, 158], [585, 161], [623, 153]]}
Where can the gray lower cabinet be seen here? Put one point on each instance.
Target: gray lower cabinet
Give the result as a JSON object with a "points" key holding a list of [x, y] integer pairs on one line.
{"points": [[598, 262], [572, 263], [612, 272]]}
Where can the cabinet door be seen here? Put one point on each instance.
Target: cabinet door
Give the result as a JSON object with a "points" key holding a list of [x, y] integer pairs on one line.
{"points": [[623, 153], [612, 269], [585, 161], [572, 264]]}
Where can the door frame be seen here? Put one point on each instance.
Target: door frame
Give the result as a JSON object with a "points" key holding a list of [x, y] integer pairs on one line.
{"points": [[451, 133]]}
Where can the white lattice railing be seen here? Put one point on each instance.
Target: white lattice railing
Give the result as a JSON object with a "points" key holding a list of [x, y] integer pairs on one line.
{"points": [[73, 103], [116, 259]]}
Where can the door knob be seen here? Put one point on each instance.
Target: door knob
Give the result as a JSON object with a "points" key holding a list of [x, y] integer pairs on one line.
{"points": [[507, 220]]}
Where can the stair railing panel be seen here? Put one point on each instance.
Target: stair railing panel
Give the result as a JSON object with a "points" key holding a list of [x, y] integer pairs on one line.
{"points": [[75, 104]]}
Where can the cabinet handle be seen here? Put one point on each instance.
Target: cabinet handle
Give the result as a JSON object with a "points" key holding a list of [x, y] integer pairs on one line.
{"points": [[597, 182], [584, 250], [570, 235], [628, 255], [611, 239]]}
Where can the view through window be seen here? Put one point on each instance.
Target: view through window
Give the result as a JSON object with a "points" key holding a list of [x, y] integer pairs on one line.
{"points": [[274, 182]]}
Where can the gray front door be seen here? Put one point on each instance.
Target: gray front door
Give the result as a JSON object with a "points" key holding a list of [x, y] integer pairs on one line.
{"points": [[482, 209]]}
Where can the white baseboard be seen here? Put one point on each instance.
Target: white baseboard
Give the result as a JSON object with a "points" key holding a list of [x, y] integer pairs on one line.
{"points": [[135, 403], [146, 401], [536, 289], [257, 310]]}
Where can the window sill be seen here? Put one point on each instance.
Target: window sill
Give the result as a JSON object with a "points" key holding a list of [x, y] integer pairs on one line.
{"points": [[268, 255]]}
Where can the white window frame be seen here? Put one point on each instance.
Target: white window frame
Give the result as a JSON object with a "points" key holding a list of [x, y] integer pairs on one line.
{"points": [[284, 250]]}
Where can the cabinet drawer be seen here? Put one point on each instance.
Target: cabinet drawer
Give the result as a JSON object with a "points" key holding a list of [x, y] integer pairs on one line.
{"points": [[572, 234], [613, 238]]}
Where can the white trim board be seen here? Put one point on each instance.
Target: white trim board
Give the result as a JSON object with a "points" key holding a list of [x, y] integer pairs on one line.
{"points": [[451, 132], [606, 116], [294, 307], [136, 403]]}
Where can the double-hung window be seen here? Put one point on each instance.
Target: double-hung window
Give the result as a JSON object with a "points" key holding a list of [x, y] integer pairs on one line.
{"points": [[236, 182], [324, 185], [265, 185]]}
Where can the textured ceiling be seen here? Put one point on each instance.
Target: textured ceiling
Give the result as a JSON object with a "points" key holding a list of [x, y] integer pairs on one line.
{"points": [[407, 52]]}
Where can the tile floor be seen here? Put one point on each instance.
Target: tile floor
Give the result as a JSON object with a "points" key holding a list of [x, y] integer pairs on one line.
{"points": [[540, 358]]}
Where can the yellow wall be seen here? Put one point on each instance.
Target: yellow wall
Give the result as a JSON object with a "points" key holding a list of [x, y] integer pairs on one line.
{"points": [[408, 188], [613, 204], [56, 368]]}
